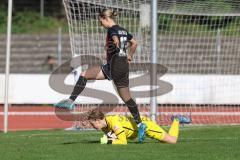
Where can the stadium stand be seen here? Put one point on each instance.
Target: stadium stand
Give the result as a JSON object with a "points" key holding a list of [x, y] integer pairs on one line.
{"points": [[28, 53]]}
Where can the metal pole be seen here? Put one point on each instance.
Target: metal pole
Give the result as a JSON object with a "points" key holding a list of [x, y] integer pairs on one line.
{"points": [[8, 47], [42, 8], [59, 48], [218, 44], [153, 72]]}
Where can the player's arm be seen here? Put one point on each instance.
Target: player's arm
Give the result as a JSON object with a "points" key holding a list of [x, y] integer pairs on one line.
{"points": [[116, 127], [114, 36], [119, 132], [133, 46], [113, 46], [115, 132], [116, 41]]}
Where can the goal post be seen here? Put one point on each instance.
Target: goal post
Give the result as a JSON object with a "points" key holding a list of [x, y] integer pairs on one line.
{"points": [[154, 57], [7, 70], [198, 44]]}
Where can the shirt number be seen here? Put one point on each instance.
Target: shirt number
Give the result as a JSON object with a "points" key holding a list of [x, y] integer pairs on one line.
{"points": [[123, 43]]}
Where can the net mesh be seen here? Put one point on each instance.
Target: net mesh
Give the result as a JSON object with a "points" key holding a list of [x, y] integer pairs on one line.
{"points": [[198, 54]]}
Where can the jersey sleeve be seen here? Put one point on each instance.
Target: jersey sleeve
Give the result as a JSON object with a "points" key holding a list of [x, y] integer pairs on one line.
{"points": [[119, 132], [129, 36], [111, 32]]}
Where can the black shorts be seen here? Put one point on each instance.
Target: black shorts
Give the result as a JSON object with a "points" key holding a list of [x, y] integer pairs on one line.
{"points": [[117, 70]]}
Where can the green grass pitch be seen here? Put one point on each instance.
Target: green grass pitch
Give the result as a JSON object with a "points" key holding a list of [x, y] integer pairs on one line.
{"points": [[195, 143]]}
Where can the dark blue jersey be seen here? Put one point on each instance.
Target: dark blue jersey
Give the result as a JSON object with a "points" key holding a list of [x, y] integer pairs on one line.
{"points": [[123, 37]]}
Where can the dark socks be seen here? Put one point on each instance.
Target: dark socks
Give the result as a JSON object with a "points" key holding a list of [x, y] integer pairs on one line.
{"points": [[78, 88], [132, 106]]}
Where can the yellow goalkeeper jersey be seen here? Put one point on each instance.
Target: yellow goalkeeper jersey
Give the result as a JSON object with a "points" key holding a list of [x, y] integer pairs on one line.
{"points": [[125, 128], [122, 126]]}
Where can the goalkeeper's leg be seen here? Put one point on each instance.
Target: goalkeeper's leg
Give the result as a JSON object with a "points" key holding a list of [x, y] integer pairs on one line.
{"points": [[157, 132], [173, 132], [94, 73]]}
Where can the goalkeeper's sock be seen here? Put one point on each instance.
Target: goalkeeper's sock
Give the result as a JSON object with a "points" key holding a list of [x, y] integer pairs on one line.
{"points": [[78, 88], [174, 130], [132, 106]]}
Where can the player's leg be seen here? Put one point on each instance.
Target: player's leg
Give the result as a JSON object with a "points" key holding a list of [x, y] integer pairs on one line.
{"points": [[174, 129], [169, 139], [156, 132], [120, 76], [173, 133], [124, 93], [93, 73]]}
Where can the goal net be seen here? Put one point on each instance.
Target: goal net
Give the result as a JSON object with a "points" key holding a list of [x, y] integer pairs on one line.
{"points": [[198, 56]]}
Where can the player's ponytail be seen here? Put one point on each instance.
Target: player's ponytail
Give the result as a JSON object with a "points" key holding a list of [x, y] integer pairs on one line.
{"points": [[114, 14], [108, 13]]}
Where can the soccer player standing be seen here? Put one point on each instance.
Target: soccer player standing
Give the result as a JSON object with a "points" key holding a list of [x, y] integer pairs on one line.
{"points": [[116, 69]]}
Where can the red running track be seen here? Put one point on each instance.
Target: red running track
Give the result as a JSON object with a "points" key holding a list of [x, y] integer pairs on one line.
{"points": [[22, 117]]}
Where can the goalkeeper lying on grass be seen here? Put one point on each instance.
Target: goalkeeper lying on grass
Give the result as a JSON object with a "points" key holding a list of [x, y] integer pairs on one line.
{"points": [[118, 128]]}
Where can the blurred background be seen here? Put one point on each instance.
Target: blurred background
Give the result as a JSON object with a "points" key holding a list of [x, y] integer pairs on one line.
{"points": [[36, 28]]}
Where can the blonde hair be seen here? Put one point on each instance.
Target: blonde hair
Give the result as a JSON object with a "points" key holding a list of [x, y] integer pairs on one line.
{"points": [[108, 13]]}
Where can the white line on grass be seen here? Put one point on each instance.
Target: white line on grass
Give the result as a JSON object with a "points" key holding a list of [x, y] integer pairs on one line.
{"points": [[223, 138]]}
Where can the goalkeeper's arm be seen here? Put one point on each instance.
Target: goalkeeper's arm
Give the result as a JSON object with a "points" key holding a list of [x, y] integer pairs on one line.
{"points": [[121, 138], [114, 139], [118, 130]]}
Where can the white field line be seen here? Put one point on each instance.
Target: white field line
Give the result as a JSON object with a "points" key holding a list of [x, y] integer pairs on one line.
{"points": [[160, 113], [223, 138]]}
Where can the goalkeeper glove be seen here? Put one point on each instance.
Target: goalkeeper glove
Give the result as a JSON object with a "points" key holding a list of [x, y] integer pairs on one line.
{"points": [[104, 139]]}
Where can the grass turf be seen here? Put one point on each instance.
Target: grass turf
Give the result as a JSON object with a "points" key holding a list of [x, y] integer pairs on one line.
{"points": [[195, 143]]}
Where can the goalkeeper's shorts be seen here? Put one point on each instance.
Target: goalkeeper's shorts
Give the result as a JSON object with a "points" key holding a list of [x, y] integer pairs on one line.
{"points": [[117, 70]]}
